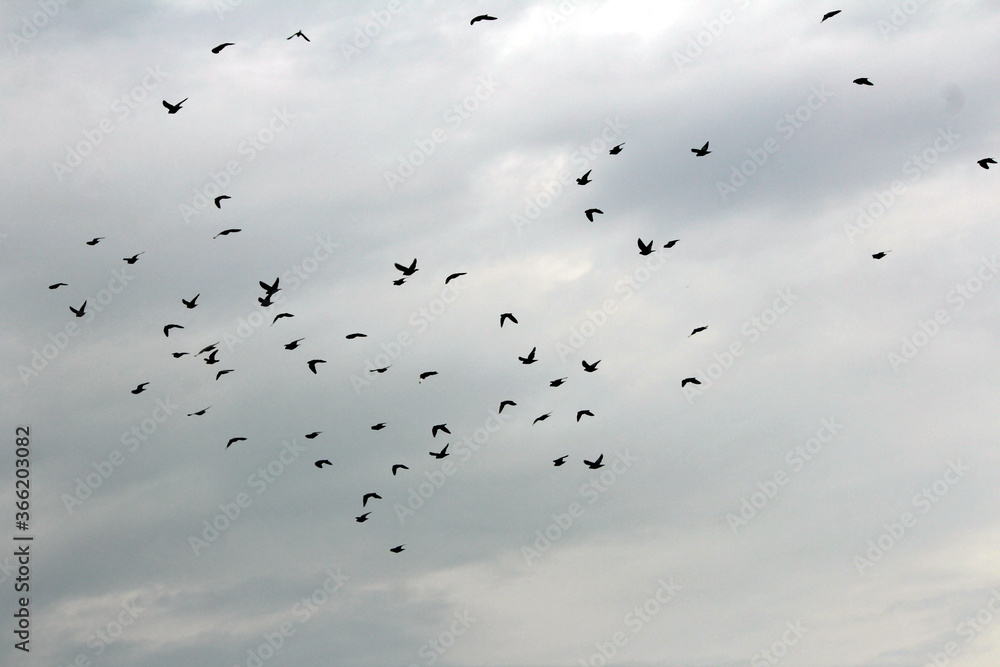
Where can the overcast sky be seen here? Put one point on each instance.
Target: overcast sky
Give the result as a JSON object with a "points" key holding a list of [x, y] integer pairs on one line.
{"points": [[825, 497]]}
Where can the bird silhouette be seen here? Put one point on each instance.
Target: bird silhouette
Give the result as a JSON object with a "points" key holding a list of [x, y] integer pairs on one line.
{"points": [[541, 418], [701, 152], [590, 368], [880, 255], [270, 289], [312, 436], [352, 336], [312, 364], [671, 244], [504, 404], [590, 213], [530, 359], [294, 344], [687, 381], [594, 465], [95, 241], [696, 330], [223, 372], [193, 302], [322, 462], [507, 316], [218, 200], [830, 15], [226, 232], [368, 496], [212, 358], [233, 440], [561, 460], [398, 549], [439, 427], [166, 329], [397, 467], [398, 281], [58, 285], [279, 316], [556, 383], [440, 455], [362, 518], [581, 413], [645, 248], [482, 17], [222, 46], [407, 270], [380, 370], [986, 162], [199, 413], [134, 258], [583, 180], [174, 108], [265, 301], [379, 426], [207, 348], [453, 276], [426, 374], [300, 34], [617, 149], [863, 81], [178, 355], [80, 312], [141, 388]]}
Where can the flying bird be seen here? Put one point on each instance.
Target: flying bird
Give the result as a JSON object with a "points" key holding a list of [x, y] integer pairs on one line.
{"points": [[379, 426], [541, 419], [880, 255], [199, 413], [367, 496], [58, 285], [232, 440], [294, 344], [398, 549], [439, 427], [696, 330], [556, 383], [504, 404], [166, 329], [270, 289], [322, 462], [299, 34], [226, 232], [617, 149], [174, 108], [223, 372], [79, 313], [265, 301], [398, 281], [141, 388], [830, 15], [440, 455], [583, 180], [561, 460], [178, 355], [452, 277], [134, 258], [863, 81], [193, 302], [222, 46], [530, 359], [670, 244], [482, 17], [594, 465], [407, 270], [687, 381], [218, 200], [380, 370], [398, 466], [427, 374], [95, 241], [507, 316], [590, 368], [591, 211], [581, 413], [279, 316], [310, 436], [986, 162], [701, 152], [212, 358], [362, 518], [645, 248], [312, 364], [352, 336], [207, 348]]}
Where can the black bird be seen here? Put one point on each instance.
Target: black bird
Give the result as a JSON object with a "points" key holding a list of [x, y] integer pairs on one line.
{"points": [[367, 496], [829, 15], [95, 241], [212, 358], [218, 200], [134, 258], [312, 364], [174, 108], [452, 277], [178, 355], [58, 285], [232, 440], [427, 374], [352, 336], [141, 388], [193, 302], [310, 436], [265, 302], [556, 383], [617, 149], [863, 81], [670, 244], [986, 162], [407, 270], [880, 255], [504, 404], [581, 413], [398, 466], [79, 313], [561, 460], [541, 419], [222, 46], [362, 518], [319, 464], [279, 316], [396, 550], [380, 370], [294, 344], [398, 281], [687, 381], [166, 329], [530, 359], [594, 465], [199, 413], [270, 289], [379, 426], [583, 180], [701, 152], [208, 348], [591, 211], [439, 427], [482, 17], [299, 34], [590, 368], [645, 248], [507, 316], [440, 455], [226, 232], [696, 330], [223, 372]]}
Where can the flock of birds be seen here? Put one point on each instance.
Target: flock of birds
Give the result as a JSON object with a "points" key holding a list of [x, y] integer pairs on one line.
{"points": [[407, 271]]}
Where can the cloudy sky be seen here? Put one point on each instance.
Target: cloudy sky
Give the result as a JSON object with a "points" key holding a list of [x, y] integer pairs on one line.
{"points": [[825, 497]]}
